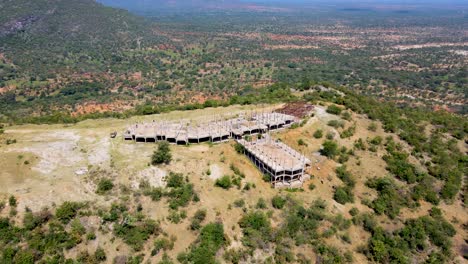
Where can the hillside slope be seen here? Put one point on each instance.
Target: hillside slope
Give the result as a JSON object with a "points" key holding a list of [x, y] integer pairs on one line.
{"points": [[51, 34], [388, 185]]}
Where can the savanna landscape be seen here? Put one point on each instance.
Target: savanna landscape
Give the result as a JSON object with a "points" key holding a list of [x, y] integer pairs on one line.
{"points": [[385, 130]]}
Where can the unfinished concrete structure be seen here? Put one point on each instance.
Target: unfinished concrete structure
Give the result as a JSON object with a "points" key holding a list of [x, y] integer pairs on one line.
{"points": [[216, 130], [285, 166]]}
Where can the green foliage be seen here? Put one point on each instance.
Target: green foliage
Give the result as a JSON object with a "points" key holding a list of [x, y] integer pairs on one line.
{"points": [[311, 186], [354, 211], [175, 180], [100, 255], [135, 232], [239, 203], [391, 197], [301, 142], [166, 260], [344, 194], [239, 148], [211, 239], [334, 109], [346, 116], [261, 204], [104, 186], [397, 164], [256, 229], [162, 155], [224, 182], [162, 244], [411, 239], [278, 202], [336, 123], [236, 170], [330, 149], [12, 201], [67, 211], [318, 133], [180, 196], [376, 140], [197, 219], [179, 192], [349, 132], [176, 217], [330, 135]]}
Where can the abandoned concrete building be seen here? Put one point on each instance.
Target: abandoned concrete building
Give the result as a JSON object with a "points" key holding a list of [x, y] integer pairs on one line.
{"points": [[285, 166], [218, 130]]}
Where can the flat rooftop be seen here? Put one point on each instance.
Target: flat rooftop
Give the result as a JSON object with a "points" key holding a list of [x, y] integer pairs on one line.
{"points": [[276, 155], [219, 127]]}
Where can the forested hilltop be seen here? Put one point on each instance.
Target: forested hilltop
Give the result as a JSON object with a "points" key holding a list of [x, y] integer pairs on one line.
{"points": [[73, 58]]}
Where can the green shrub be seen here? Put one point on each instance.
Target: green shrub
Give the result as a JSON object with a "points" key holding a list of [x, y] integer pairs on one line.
{"points": [[376, 140], [354, 211], [349, 132], [67, 211], [197, 219], [162, 155], [175, 180], [336, 123], [135, 233], [278, 202], [162, 244], [346, 116], [390, 198], [104, 185], [261, 204], [301, 142], [91, 236], [343, 195], [330, 149], [318, 133], [155, 193], [239, 148], [12, 201], [211, 239], [334, 109], [180, 197], [100, 255], [236, 170], [24, 257], [256, 228], [330, 135], [224, 182], [239, 203]]}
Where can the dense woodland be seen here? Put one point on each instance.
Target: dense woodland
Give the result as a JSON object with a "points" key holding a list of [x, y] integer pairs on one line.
{"points": [[53, 57]]}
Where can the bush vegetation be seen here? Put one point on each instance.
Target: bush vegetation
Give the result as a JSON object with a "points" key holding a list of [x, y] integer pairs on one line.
{"points": [[224, 182], [162, 155]]}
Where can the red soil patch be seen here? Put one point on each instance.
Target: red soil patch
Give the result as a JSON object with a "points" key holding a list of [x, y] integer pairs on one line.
{"points": [[297, 109], [93, 107]]}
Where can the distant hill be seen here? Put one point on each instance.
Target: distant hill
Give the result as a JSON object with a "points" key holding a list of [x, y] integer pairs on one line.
{"points": [[67, 33], [150, 7]]}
